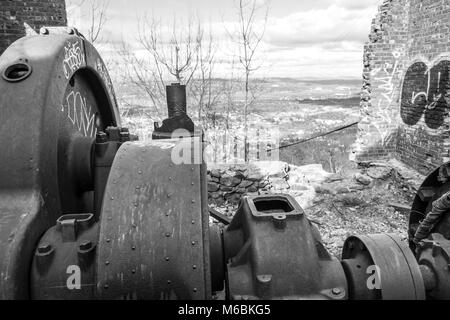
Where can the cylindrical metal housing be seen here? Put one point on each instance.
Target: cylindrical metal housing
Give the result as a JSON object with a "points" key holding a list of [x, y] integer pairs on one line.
{"points": [[176, 99]]}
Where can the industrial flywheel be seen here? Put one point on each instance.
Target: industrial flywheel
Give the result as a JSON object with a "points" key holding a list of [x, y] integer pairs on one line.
{"points": [[87, 211]]}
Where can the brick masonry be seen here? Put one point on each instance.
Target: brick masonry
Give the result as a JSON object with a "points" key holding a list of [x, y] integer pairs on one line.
{"points": [[36, 13], [405, 96]]}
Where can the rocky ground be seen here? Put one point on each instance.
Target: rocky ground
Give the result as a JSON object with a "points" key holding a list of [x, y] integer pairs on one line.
{"points": [[370, 198]]}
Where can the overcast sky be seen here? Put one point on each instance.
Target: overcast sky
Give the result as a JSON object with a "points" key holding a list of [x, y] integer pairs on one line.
{"points": [[303, 39]]}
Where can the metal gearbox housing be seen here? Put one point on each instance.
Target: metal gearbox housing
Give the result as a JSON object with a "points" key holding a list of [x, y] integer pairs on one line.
{"points": [[274, 252]]}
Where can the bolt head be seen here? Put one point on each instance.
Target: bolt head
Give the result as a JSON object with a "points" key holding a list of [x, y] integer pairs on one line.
{"points": [[101, 137], [336, 291]]}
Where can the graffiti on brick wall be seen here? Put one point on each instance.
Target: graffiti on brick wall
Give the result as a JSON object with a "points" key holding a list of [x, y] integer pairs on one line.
{"points": [[424, 94], [384, 78]]}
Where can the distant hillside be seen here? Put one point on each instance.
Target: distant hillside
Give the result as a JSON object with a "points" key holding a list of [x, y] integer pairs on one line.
{"points": [[345, 102]]}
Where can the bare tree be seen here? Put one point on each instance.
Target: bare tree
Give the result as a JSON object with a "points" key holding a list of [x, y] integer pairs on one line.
{"points": [[177, 52], [96, 16], [205, 91], [140, 72], [249, 40]]}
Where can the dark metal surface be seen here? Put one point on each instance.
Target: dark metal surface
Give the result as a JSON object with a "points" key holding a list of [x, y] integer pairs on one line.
{"points": [[274, 252], [398, 271], [177, 115], [106, 146], [219, 216], [176, 100], [434, 187], [434, 258], [153, 238], [216, 258], [67, 97], [66, 250]]}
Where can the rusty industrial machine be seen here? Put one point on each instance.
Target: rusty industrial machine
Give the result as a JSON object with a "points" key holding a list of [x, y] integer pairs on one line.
{"points": [[89, 212]]}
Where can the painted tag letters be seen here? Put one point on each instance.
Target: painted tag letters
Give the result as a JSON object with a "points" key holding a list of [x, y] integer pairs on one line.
{"points": [[73, 58], [424, 91]]}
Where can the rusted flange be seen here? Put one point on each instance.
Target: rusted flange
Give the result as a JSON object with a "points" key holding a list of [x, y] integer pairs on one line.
{"points": [[381, 266], [154, 240], [45, 113]]}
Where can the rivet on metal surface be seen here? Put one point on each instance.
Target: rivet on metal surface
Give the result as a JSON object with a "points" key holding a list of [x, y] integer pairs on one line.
{"points": [[193, 201], [193, 243], [133, 248], [106, 286], [168, 234], [169, 282], [194, 267], [133, 271], [193, 221], [43, 31], [107, 262], [167, 258], [112, 198], [140, 171], [108, 240], [195, 290]]}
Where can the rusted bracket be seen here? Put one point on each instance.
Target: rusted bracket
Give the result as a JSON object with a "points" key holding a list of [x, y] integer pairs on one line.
{"points": [[219, 216]]}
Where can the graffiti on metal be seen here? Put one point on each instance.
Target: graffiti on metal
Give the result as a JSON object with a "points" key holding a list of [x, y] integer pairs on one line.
{"points": [[74, 58], [80, 113]]}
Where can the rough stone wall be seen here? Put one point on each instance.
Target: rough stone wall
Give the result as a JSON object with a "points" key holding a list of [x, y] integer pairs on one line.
{"points": [[36, 13], [404, 101], [227, 184]]}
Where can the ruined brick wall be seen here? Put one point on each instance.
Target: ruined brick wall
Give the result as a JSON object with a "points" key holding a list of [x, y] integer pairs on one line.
{"points": [[404, 101], [36, 13]]}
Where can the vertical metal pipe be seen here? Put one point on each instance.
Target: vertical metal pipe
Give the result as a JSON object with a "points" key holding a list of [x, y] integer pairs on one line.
{"points": [[176, 99]]}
